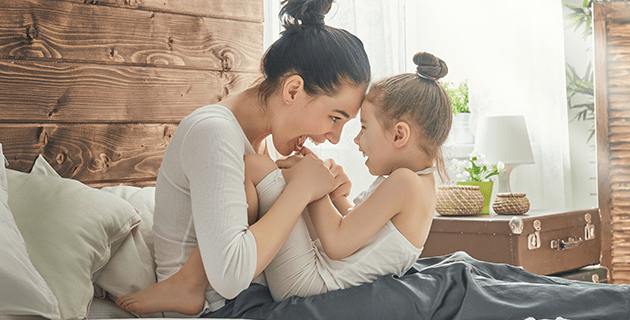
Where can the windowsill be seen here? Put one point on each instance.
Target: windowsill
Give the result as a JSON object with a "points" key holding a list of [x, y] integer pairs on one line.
{"points": [[458, 151]]}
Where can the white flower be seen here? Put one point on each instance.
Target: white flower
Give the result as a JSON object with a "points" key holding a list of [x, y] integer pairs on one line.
{"points": [[500, 165]]}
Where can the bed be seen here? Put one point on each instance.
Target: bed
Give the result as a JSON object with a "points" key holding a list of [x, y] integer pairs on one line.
{"points": [[95, 90], [90, 95]]}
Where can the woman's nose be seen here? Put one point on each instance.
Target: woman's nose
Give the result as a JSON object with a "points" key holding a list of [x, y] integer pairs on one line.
{"points": [[334, 138]]}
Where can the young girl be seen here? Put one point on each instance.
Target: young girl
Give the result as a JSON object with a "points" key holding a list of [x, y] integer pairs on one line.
{"points": [[405, 119]]}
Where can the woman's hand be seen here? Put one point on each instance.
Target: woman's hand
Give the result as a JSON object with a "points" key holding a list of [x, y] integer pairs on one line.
{"points": [[309, 174]]}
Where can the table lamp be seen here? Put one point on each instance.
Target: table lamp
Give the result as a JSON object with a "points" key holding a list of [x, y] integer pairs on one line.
{"points": [[504, 138]]}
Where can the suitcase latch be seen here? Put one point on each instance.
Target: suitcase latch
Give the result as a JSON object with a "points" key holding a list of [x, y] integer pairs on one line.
{"points": [[516, 225], [589, 228], [533, 240]]}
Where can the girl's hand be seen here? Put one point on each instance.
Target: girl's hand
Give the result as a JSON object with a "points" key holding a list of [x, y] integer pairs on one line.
{"points": [[288, 162], [309, 174], [342, 184]]}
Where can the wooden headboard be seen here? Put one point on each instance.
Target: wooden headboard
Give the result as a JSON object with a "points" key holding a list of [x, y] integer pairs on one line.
{"points": [[611, 27], [98, 87]]}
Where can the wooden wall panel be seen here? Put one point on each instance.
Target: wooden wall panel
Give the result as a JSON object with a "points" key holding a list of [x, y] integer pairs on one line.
{"points": [[77, 32], [89, 152], [70, 92], [99, 87], [611, 25], [244, 10]]}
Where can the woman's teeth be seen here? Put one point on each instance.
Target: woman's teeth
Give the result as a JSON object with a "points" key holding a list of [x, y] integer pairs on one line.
{"points": [[313, 141], [300, 142]]}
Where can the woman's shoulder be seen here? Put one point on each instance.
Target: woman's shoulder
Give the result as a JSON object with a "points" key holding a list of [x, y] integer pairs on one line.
{"points": [[213, 120], [213, 112]]}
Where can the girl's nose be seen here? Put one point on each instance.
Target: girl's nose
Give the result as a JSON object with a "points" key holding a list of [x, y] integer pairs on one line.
{"points": [[356, 139]]}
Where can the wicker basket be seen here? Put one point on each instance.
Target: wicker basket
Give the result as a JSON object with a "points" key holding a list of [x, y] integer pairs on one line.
{"points": [[459, 200], [510, 203]]}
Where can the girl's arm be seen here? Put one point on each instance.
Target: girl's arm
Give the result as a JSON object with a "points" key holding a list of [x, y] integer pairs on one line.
{"points": [[343, 205], [402, 193]]}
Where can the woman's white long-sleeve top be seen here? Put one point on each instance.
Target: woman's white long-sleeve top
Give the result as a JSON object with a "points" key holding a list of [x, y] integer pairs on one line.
{"points": [[200, 200]]}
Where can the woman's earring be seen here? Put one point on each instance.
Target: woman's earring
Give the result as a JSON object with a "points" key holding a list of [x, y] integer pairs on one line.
{"points": [[287, 101]]}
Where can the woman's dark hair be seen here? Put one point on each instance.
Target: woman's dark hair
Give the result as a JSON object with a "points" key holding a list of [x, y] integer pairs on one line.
{"points": [[419, 99], [322, 55]]}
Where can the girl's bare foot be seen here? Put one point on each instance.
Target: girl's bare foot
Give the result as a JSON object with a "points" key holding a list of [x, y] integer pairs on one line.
{"points": [[174, 294]]}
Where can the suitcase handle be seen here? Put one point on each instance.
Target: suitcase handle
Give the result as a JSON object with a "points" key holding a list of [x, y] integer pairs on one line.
{"points": [[570, 243]]}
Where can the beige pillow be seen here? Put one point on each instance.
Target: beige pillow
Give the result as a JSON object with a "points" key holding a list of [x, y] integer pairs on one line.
{"points": [[23, 291], [69, 230], [131, 267]]}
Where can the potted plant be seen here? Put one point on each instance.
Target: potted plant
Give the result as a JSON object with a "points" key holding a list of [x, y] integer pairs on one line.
{"points": [[461, 132], [476, 172]]}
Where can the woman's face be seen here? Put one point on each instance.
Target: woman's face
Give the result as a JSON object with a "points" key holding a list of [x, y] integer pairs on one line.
{"points": [[319, 118], [374, 142]]}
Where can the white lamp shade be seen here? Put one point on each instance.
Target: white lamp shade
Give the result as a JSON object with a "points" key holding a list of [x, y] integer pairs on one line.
{"points": [[504, 138]]}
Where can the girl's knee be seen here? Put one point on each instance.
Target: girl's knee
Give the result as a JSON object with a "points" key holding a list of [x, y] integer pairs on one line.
{"points": [[258, 166]]}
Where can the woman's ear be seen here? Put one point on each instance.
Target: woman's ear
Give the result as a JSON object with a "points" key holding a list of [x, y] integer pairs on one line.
{"points": [[402, 134], [293, 85]]}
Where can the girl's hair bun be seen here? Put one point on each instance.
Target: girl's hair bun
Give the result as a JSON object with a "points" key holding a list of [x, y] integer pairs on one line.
{"points": [[430, 66], [304, 12]]}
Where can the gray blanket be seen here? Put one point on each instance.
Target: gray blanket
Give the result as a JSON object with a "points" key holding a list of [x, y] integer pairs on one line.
{"points": [[449, 287]]}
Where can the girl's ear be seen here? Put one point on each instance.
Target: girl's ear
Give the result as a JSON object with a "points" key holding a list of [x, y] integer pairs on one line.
{"points": [[292, 86], [402, 134]]}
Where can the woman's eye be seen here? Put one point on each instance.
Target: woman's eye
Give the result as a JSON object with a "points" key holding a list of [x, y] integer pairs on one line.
{"points": [[362, 127], [334, 119]]}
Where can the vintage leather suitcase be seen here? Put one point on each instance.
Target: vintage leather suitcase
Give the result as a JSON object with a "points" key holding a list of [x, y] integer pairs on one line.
{"points": [[541, 241], [594, 273]]}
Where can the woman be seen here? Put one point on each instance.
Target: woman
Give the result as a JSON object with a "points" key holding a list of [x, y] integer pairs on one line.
{"points": [[314, 81]]}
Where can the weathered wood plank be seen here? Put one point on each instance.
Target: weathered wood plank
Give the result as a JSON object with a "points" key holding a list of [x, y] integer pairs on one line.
{"points": [[47, 29], [245, 10], [601, 126], [616, 12], [89, 152], [65, 92]]}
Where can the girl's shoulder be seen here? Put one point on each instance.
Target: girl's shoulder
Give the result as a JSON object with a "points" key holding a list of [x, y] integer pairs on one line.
{"points": [[404, 179]]}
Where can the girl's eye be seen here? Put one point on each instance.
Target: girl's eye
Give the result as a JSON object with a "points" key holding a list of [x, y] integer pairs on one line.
{"points": [[334, 119], [362, 127]]}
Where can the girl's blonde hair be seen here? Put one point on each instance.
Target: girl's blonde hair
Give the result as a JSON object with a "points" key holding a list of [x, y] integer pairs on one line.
{"points": [[420, 100]]}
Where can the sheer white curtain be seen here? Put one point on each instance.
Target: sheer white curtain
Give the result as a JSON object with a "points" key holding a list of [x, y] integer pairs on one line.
{"points": [[512, 54], [513, 57]]}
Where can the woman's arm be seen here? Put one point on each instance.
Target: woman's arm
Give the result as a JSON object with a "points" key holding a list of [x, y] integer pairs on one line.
{"points": [[233, 252], [402, 193]]}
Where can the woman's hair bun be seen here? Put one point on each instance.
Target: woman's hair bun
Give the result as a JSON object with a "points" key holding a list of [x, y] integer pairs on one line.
{"points": [[304, 12], [430, 66]]}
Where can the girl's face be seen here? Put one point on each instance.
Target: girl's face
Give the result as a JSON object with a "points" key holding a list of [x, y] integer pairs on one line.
{"points": [[374, 142], [319, 118]]}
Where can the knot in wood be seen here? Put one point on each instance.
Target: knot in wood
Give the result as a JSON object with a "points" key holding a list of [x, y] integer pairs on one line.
{"points": [[61, 157], [32, 32]]}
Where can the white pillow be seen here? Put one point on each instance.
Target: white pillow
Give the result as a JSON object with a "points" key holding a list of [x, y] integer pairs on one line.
{"points": [[131, 267], [69, 230], [143, 199], [24, 291]]}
